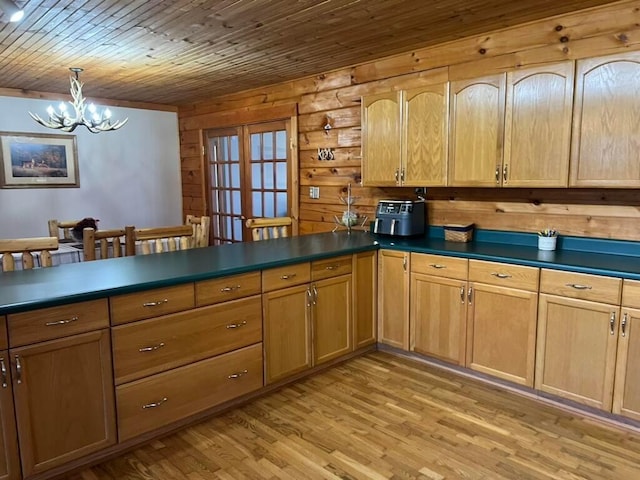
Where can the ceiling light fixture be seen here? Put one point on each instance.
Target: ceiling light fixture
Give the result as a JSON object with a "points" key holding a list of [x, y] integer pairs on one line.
{"points": [[10, 8], [96, 123]]}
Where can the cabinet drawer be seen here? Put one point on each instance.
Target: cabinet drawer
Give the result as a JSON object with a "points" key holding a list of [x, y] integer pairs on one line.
{"points": [[503, 274], [282, 277], [151, 303], [581, 285], [442, 266], [151, 346], [156, 401], [4, 341], [219, 290], [56, 322], [631, 294], [331, 267]]}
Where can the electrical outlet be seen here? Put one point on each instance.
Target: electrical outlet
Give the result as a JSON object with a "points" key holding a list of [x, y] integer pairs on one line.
{"points": [[314, 192]]}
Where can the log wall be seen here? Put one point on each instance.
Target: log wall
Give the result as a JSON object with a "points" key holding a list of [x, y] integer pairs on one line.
{"points": [[334, 97]]}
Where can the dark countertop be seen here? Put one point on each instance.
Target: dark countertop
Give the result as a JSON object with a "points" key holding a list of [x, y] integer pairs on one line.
{"points": [[26, 290]]}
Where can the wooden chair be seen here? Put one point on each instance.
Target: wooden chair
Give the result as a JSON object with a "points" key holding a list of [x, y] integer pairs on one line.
{"points": [[265, 228], [26, 246], [111, 243], [164, 239], [201, 227]]}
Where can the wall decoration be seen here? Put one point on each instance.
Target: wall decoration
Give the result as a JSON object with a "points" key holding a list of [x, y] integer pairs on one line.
{"points": [[32, 160], [325, 154]]}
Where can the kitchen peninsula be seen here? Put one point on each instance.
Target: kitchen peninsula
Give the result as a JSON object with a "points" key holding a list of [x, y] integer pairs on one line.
{"points": [[132, 341]]}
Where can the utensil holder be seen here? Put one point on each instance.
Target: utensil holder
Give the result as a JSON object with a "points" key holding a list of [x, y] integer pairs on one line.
{"points": [[547, 243]]}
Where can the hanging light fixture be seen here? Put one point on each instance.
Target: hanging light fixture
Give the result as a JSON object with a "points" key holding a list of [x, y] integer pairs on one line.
{"points": [[96, 122], [10, 8]]}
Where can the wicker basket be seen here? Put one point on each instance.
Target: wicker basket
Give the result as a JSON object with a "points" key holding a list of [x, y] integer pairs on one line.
{"points": [[458, 233]]}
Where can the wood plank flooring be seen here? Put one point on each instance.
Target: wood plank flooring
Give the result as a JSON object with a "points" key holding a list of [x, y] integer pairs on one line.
{"points": [[382, 416]]}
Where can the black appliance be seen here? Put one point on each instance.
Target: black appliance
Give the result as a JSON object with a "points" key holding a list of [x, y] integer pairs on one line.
{"points": [[400, 217]]}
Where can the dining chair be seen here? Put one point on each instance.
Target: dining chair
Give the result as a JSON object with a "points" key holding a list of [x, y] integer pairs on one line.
{"points": [[265, 228], [201, 226], [110, 243], [163, 239], [27, 247], [70, 230]]}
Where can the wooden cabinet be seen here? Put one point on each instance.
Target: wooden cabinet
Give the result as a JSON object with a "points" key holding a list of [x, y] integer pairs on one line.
{"points": [[310, 323], [604, 151], [537, 131], [365, 298], [501, 336], [393, 298], [438, 309], [476, 131], [9, 460], [577, 336], [626, 394], [73, 416], [405, 137], [151, 303]]}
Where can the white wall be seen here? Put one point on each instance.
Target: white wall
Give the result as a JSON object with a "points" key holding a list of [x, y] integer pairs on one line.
{"points": [[127, 177]]}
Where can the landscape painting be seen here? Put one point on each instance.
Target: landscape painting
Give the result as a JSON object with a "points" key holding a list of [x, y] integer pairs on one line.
{"points": [[31, 160]]}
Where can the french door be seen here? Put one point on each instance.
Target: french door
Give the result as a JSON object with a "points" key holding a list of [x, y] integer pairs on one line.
{"points": [[249, 177]]}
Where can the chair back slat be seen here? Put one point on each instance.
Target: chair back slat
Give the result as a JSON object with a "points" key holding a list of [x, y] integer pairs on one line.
{"points": [[266, 228], [163, 239], [27, 247], [109, 243], [201, 227]]}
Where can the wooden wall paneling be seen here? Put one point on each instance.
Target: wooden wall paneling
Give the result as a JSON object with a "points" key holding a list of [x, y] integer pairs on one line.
{"points": [[343, 157], [338, 118]]}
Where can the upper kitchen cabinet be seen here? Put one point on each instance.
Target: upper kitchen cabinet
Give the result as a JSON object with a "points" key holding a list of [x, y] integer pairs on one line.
{"points": [[537, 128], [476, 131], [605, 126], [404, 137], [381, 138]]}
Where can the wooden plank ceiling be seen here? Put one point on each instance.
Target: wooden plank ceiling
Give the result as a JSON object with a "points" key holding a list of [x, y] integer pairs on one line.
{"points": [[179, 52]]}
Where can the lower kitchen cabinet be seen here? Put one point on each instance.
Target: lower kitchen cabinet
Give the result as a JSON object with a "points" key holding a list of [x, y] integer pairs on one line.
{"points": [[332, 318], [365, 298], [393, 298], [578, 336], [502, 318], [64, 402], [9, 460]]}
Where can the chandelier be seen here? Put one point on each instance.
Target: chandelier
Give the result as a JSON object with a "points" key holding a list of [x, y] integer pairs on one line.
{"points": [[96, 122]]}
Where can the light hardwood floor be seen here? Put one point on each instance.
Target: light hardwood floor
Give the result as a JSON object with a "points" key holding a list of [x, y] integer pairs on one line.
{"points": [[381, 416]]}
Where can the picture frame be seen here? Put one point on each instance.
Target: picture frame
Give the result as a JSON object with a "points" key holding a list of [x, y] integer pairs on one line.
{"points": [[34, 160]]}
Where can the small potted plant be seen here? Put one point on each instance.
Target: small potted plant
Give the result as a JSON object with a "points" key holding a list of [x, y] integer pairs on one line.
{"points": [[547, 239]]}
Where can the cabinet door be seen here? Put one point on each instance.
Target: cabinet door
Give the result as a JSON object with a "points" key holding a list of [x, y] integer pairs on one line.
{"points": [[393, 298], [425, 136], [70, 417], [502, 332], [604, 151], [332, 318], [626, 395], [365, 286], [538, 126], [438, 317], [576, 349], [381, 139], [9, 461], [476, 131], [287, 332]]}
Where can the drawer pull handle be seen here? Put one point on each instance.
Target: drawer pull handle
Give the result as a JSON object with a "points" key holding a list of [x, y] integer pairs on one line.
{"points": [[501, 275], [61, 322], [155, 404], [577, 286], [3, 372], [470, 295], [18, 370], [462, 294], [237, 325], [153, 348], [437, 265], [612, 323], [230, 289], [233, 376], [623, 325], [288, 277], [331, 267], [155, 304]]}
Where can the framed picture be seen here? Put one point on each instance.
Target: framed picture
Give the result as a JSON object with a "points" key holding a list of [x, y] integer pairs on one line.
{"points": [[33, 160]]}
